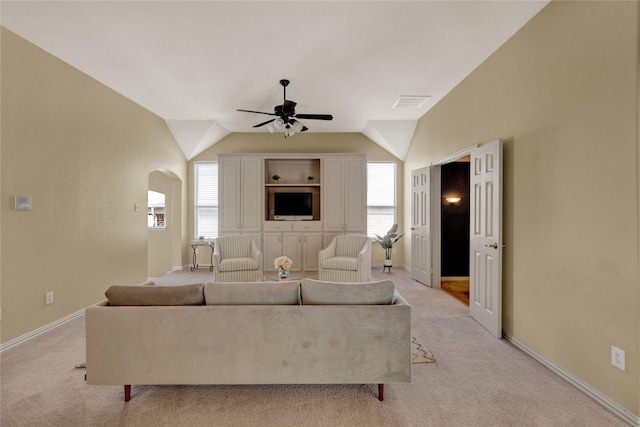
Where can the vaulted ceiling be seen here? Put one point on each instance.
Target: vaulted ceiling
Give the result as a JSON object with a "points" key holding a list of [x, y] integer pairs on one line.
{"points": [[194, 63]]}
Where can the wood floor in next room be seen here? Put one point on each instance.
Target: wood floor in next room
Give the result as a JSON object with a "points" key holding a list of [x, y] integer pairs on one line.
{"points": [[456, 287]]}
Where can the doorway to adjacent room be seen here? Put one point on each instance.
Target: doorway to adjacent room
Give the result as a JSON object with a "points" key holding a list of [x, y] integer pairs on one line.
{"points": [[454, 228]]}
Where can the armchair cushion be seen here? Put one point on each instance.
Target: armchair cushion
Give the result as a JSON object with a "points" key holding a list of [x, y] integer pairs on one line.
{"points": [[341, 263], [238, 264]]}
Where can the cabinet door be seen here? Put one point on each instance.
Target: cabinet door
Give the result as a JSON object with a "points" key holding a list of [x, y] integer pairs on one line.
{"points": [[271, 249], [240, 195], [355, 197], [311, 245], [251, 194], [229, 195], [333, 192], [291, 248]]}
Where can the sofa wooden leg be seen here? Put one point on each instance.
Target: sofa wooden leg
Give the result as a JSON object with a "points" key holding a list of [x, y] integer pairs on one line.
{"points": [[127, 392], [381, 392]]}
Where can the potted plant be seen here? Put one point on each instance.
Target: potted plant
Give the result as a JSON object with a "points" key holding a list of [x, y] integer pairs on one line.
{"points": [[387, 243], [310, 179], [276, 179]]}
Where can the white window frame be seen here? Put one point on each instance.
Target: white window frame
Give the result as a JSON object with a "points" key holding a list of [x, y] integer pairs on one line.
{"points": [[199, 206], [372, 231]]}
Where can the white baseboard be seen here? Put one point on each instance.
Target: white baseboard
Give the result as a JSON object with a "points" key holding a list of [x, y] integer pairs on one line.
{"points": [[26, 337], [604, 400]]}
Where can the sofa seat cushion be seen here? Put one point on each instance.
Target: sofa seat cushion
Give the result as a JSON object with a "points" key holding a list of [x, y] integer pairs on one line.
{"points": [[252, 293], [238, 264], [315, 292], [156, 295], [340, 263]]}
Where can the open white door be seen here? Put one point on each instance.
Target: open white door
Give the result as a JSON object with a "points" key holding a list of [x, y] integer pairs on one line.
{"points": [[485, 264], [420, 225]]}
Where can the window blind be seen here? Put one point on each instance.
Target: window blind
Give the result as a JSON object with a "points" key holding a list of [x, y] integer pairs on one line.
{"points": [[381, 197], [206, 199]]}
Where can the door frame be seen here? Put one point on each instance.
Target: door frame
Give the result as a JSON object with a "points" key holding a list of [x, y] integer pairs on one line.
{"points": [[436, 214]]}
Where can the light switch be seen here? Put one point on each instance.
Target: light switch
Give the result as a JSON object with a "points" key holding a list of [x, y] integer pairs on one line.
{"points": [[23, 203]]}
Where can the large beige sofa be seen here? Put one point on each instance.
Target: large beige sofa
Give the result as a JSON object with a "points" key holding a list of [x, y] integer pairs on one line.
{"points": [[306, 332]]}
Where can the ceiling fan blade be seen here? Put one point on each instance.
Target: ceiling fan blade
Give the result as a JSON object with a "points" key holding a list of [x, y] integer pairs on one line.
{"points": [[257, 112], [314, 116], [263, 123]]}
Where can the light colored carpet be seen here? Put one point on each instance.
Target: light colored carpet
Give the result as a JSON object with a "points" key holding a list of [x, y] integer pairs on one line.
{"points": [[478, 380]]}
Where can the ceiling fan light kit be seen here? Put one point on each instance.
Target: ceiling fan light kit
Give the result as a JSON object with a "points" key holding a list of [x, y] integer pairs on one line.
{"points": [[286, 116]]}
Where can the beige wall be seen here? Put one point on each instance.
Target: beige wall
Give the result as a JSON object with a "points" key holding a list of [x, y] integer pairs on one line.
{"points": [[563, 95], [83, 153], [304, 143]]}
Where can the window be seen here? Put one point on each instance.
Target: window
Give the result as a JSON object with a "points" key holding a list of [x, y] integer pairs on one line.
{"points": [[381, 197], [206, 199], [156, 210]]}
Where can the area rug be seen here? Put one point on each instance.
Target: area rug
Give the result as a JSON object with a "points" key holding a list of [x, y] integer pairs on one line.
{"points": [[420, 353]]}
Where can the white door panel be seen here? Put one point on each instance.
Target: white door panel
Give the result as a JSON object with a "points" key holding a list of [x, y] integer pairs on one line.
{"points": [[485, 263], [420, 225]]}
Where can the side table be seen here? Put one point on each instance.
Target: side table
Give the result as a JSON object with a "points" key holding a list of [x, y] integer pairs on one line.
{"points": [[195, 245]]}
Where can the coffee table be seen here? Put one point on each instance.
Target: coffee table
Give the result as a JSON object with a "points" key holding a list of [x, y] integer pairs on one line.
{"points": [[273, 277]]}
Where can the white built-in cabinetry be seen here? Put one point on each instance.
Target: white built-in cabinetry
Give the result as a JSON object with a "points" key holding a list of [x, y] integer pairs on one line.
{"points": [[246, 197], [299, 240], [240, 195], [345, 201]]}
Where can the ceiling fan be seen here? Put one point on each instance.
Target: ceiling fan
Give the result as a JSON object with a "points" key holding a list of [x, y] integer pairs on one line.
{"points": [[286, 116]]}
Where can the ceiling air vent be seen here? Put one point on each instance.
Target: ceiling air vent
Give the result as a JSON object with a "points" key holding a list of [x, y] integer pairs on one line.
{"points": [[410, 101]]}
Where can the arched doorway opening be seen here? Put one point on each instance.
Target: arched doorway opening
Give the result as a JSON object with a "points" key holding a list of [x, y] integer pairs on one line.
{"points": [[164, 245]]}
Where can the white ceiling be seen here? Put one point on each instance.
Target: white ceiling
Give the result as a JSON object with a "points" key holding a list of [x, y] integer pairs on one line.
{"points": [[193, 63]]}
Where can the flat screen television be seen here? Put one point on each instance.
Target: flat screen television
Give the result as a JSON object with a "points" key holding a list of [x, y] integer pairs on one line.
{"points": [[293, 206]]}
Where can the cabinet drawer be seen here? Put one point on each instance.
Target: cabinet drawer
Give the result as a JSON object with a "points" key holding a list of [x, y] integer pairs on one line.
{"points": [[307, 226], [278, 226]]}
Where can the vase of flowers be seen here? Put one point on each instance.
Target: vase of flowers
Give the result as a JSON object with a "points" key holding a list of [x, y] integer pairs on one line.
{"points": [[276, 179], [283, 264]]}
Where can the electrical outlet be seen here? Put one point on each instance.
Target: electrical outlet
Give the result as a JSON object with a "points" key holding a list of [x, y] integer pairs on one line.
{"points": [[48, 298], [617, 358], [393, 251]]}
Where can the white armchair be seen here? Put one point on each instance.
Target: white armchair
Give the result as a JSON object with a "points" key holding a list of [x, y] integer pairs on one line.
{"points": [[237, 258], [346, 259]]}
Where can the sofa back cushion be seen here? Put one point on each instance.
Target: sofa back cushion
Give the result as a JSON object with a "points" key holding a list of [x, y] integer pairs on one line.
{"points": [[315, 292], [156, 295], [252, 293]]}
